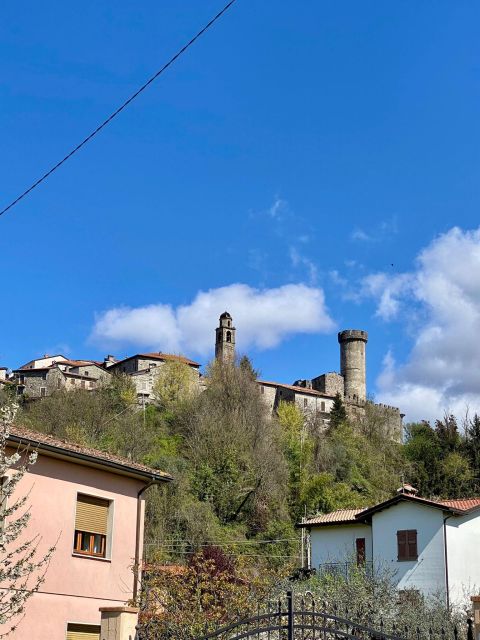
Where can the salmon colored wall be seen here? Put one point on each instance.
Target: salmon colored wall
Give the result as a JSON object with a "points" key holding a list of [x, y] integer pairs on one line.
{"points": [[75, 587]]}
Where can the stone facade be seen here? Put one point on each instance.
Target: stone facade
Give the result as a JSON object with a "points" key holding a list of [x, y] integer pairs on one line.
{"points": [[314, 396], [353, 362], [41, 382], [329, 383], [225, 339]]}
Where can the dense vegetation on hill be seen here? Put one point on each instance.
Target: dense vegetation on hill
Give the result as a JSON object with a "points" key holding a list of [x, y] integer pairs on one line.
{"points": [[242, 478]]}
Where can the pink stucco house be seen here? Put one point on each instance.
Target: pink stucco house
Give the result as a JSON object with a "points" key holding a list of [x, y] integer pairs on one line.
{"points": [[93, 503]]}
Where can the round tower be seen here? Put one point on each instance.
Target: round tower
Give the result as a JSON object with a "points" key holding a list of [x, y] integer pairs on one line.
{"points": [[353, 344], [225, 339]]}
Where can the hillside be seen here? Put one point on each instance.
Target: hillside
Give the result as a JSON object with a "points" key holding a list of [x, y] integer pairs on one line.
{"points": [[243, 478]]}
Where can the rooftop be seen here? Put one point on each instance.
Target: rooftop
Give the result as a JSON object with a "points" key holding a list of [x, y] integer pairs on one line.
{"points": [[291, 387], [458, 507], [57, 447], [158, 355]]}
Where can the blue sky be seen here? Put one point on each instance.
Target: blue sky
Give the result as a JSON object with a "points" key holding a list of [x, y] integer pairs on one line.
{"points": [[323, 155]]}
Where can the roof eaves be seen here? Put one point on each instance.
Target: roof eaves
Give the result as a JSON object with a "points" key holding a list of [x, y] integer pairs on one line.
{"points": [[97, 461], [333, 523], [364, 515]]}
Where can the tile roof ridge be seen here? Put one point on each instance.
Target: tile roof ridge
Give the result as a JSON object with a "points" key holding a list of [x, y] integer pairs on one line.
{"points": [[39, 438]]}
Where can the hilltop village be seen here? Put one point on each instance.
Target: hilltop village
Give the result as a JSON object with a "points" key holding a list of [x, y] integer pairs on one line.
{"points": [[43, 376]]}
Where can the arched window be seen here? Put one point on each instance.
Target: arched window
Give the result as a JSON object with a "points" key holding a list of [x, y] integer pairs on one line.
{"points": [[229, 336], [219, 337]]}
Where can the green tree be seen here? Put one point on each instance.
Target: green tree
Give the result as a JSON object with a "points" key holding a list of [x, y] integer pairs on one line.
{"points": [[424, 453], [298, 447], [175, 383], [338, 414]]}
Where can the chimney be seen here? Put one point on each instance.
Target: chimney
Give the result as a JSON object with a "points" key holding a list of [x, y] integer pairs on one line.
{"points": [[407, 489]]}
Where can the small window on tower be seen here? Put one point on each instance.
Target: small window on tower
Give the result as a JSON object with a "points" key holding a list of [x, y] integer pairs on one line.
{"points": [[229, 336]]}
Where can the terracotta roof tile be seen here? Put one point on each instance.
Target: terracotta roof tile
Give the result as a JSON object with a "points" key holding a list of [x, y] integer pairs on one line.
{"points": [[158, 355], [291, 387], [37, 439], [344, 516], [339, 516], [462, 504]]}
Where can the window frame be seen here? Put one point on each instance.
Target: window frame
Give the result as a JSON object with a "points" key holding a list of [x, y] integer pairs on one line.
{"points": [[407, 545], [77, 544], [107, 543]]}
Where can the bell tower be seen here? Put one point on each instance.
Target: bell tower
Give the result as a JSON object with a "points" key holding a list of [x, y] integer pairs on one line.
{"points": [[225, 339]]}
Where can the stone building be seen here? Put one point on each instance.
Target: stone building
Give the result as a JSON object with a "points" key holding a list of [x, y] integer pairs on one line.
{"points": [[145, 367], [315, 397], [41, 377], [225, 339]]}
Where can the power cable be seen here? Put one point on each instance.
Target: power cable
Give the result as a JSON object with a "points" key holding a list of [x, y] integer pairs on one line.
{"points": [[120, 108]]}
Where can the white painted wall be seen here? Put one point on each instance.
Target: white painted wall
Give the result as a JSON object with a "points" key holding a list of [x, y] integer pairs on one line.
{"points": [[336, 543], [427, 573], [463, 545]]}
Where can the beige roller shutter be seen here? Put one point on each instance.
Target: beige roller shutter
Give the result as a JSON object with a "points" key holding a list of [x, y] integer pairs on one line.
{"points": [[83, 632], [92, 514]]}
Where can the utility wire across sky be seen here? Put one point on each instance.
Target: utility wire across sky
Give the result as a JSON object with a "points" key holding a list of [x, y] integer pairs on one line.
{"points": [[120, 108]]}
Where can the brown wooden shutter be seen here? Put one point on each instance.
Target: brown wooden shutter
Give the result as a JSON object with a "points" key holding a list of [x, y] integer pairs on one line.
{"points": [[83, 632], [402, 545], [92, 515], [412, 544]]}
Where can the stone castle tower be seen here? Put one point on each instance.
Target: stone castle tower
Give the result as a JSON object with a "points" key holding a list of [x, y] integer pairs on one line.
{"points": [[353, 363], [225, 339]]}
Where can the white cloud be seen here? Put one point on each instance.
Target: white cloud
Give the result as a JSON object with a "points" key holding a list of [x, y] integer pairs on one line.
{"points": [[278, 207], [440, 300], [298, 259], [388, 290], [264, 318], [379, 233], [360, 235]]}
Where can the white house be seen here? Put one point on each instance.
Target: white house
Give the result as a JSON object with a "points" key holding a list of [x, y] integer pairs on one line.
{"points": [[431, 546]]}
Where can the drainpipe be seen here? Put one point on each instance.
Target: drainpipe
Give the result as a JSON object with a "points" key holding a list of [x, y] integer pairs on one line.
{"points": [[447, 588], [136, 568]]}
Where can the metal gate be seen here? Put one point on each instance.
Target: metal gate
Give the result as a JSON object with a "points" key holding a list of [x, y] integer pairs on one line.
{"points": [[285, 622], [305, 621]]}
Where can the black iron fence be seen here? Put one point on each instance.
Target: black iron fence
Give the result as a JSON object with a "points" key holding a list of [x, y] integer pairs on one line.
{"points": [[303, 619]]}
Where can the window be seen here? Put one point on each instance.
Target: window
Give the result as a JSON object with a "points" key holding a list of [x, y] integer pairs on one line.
{"points": [[22, 380], [305, 403], [360, 549], [58, 384], [229, 336], [322, 406], [407, 545], [43, 392], [262, 390], [44, 376], [83, 631], [91, 525], [82, 384]]}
